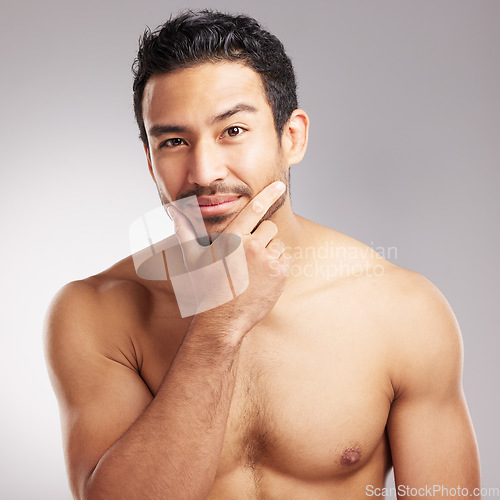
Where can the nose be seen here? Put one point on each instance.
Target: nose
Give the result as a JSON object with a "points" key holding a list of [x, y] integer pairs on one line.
{"points": [[206, 165]]}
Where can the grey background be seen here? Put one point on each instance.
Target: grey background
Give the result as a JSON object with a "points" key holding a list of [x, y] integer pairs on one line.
{"points": [[404, 152]]}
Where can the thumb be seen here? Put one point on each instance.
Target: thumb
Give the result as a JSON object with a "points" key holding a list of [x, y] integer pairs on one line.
{"points": [[184, 231]]}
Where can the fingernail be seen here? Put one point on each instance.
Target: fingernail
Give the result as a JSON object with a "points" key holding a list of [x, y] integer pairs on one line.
{"points": [[279, 186]]}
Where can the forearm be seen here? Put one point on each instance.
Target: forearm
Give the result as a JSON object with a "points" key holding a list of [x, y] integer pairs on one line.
{"points": [[172, 449]]}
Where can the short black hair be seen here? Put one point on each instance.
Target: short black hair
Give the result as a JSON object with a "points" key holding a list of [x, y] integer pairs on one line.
{"points": [[195, 37]]}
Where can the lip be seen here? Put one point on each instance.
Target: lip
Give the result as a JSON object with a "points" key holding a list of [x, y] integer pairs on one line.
{"points": [[216, 205]]}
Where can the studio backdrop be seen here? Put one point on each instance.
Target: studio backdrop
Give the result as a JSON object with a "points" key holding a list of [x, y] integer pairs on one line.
{"points": [[403, 155]]}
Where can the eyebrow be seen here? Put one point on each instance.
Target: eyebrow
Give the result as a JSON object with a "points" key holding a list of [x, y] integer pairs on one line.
{"points": [[242, 107], [157, 130]]}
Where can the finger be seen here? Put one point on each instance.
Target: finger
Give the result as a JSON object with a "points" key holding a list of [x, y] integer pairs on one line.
{"points": [[276, 247], [252, 214], [285, 262], [183, 230], [263, 235]]}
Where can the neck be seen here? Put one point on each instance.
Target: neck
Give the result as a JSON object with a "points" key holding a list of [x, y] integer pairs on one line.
{"points": [[291, 230]]}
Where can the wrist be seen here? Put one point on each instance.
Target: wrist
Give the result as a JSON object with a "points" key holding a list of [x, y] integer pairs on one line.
{"points": [[217, 331]]}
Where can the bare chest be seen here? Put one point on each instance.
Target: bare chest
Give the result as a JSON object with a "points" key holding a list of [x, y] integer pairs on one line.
{"points": [[311, 398], [304, 407]]}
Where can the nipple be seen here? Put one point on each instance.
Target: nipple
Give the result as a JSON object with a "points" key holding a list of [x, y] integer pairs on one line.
{"points": [[350, 456]]}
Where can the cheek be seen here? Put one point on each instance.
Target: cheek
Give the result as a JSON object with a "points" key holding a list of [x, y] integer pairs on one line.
{"points": [[168, 185], [167, 182], [256, 162]]}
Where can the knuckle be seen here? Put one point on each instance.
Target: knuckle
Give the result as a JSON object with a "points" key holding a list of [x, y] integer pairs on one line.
{"points": [[276, 248], [269, 257], [252, 246], [279, 243], [273, 247], [257, 206], [270, 226]]}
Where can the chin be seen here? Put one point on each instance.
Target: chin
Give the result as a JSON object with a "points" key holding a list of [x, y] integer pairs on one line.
{"points": [[218, 223], [218, 219]]}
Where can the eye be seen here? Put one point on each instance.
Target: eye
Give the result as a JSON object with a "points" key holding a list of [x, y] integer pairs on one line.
{"points": [[233, 131], [172, 143]]}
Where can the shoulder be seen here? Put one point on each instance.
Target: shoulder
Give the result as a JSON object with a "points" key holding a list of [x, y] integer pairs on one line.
{"points": [[413, 321], [95, 314], [402, 293], [338, 259], [410, 306], [105, 296], [419, 304], [423, 333]]}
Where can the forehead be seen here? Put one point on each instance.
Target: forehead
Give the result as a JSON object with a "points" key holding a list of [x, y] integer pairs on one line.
{"points": [[200, 92]]}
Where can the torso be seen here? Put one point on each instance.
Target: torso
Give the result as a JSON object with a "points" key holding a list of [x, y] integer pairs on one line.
{"points": [[313, 390]]}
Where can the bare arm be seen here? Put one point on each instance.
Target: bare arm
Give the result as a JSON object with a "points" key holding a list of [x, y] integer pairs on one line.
{"points": [[172, 449], [431, 435], [120, 441]]}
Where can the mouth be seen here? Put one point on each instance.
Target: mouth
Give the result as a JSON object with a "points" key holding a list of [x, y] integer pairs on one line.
{"points": [[217, 204]]}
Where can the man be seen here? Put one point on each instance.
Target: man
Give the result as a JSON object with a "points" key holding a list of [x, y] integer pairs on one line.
{"points": [[311, 383]]}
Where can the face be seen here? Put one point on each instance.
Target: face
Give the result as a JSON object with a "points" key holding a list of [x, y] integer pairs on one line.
{"points": [[211, 135]]}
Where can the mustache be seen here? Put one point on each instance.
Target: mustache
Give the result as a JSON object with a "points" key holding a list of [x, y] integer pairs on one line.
{"points": [[217, 188]]}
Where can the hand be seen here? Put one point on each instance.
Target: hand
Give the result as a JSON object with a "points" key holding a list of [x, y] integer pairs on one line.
{"points": [[263, 264]]}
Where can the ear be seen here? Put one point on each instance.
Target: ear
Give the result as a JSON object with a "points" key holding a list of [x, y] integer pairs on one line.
{"points": [[295, 135], [148, 157]]}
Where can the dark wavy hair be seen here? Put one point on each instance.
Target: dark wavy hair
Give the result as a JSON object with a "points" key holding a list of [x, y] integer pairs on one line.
{"points": [[196, 37]]}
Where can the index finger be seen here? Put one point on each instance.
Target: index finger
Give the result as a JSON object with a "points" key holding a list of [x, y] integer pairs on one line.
{"points": [[253, 213]]}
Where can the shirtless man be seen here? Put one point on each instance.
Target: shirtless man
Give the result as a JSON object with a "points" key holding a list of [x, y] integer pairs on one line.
{"points": [[310, 384]]}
